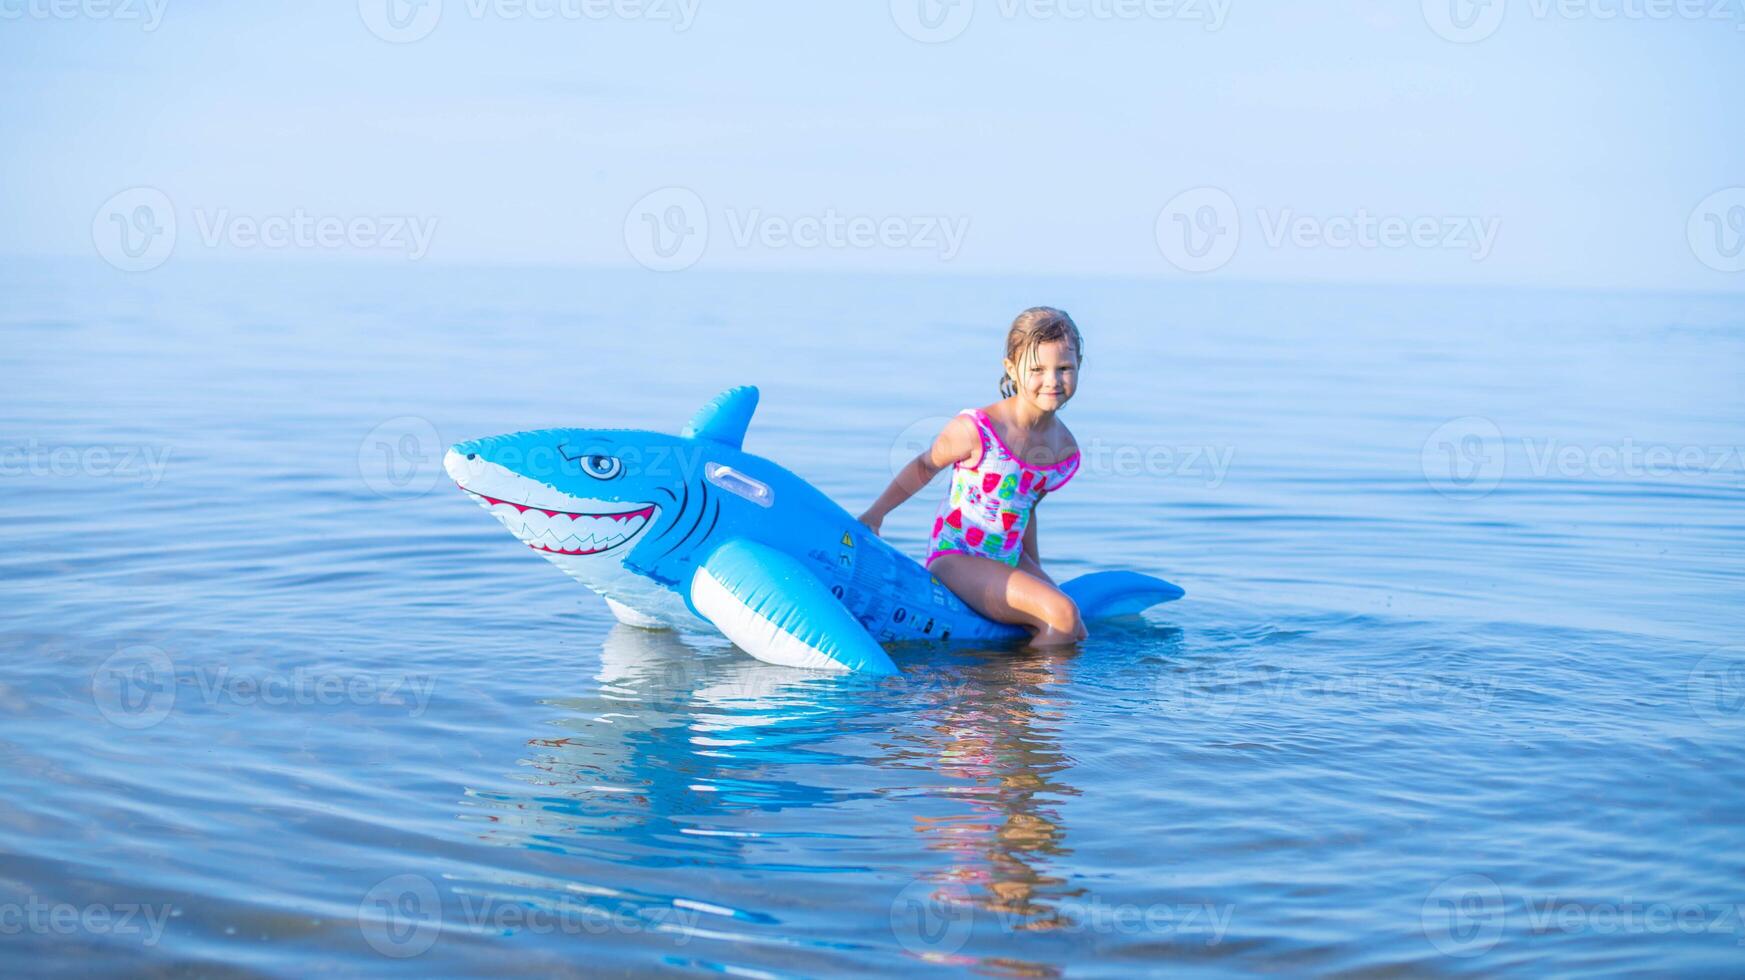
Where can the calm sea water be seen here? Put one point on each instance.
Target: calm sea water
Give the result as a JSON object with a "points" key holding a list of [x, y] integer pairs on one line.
{"points": [[1458, 686]]}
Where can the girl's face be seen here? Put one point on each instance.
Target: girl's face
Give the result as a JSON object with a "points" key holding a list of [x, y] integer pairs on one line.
{"points": [[1049, 376]]}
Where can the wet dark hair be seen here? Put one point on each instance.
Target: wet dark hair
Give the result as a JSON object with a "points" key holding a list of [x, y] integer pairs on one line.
{"points": [[1036, 326]]}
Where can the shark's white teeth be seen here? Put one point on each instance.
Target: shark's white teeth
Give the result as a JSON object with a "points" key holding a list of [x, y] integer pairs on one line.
{"points": [[565, 532]]}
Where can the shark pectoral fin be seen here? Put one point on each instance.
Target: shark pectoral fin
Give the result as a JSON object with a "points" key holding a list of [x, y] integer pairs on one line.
{"points": [[771, 607], [1100, 595]]}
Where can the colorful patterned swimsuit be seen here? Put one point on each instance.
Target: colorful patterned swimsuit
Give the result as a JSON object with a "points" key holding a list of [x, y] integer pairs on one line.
{"points": [[990, 504]]}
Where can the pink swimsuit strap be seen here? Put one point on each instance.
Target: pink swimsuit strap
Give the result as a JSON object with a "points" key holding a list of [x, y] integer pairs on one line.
{"points": [[987, 425]]}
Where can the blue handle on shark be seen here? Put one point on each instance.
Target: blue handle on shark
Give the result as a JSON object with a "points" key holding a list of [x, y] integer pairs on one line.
{"points": [[691, 532]]}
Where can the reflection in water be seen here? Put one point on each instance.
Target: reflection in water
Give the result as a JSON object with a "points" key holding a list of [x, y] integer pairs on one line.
{"points": [[661, 745], [994, 734], [688, 753]]}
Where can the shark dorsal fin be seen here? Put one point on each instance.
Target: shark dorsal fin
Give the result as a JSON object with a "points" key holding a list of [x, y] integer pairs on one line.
{"points": [[725, 418]]}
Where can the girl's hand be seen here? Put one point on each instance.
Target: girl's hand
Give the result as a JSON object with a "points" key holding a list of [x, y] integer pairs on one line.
{"points": [[872, 521]]}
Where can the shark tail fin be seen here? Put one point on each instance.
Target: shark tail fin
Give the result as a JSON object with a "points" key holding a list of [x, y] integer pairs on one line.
{"points": [[1101, 595]]}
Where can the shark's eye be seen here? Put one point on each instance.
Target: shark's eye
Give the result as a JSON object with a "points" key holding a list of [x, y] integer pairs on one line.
{"points": [[602, 467]]}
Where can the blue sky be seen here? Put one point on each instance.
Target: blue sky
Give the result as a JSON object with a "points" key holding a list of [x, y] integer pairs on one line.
{"points": [[1572, 143]]}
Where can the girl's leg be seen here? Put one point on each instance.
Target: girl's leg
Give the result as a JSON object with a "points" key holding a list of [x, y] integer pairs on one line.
{"points": [[1009, 595]]}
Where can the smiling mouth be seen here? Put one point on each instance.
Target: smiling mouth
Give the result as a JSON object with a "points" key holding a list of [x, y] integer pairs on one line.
{"points": [[563, 532]]}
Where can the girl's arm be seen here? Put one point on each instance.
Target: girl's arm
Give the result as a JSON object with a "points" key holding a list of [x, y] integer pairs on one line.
{"points": [[955, 443], [1029, 558]]}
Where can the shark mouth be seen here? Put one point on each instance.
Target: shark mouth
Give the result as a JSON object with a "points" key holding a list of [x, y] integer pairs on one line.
{"points": [[562, 532]]}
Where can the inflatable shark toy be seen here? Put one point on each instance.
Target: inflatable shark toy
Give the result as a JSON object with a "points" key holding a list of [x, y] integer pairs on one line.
{"points": [[691, 532]]}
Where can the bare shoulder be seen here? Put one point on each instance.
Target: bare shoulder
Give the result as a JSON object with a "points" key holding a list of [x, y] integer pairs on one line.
{"points": [[958, 442]]}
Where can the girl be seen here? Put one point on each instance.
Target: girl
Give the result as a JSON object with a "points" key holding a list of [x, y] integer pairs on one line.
{"points": [[1004, 458]]}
